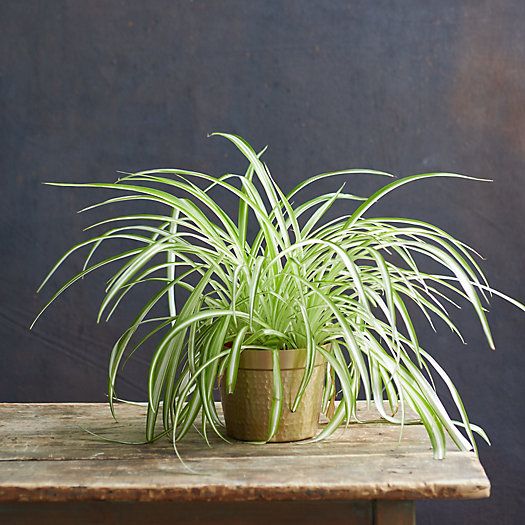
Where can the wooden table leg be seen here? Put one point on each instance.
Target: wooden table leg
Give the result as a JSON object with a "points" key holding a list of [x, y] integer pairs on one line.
{"points": [[393, 512]]}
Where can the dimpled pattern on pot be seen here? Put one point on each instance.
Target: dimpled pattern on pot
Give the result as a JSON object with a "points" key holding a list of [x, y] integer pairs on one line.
{"points": [[247, 410]]}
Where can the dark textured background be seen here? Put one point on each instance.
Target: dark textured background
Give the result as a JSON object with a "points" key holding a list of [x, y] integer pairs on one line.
{"points": [[91, 87]]}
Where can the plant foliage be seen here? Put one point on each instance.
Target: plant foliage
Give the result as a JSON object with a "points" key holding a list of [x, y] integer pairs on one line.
{"points": [[303, 281]]}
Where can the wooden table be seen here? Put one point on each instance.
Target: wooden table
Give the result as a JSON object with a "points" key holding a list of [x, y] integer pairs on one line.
{"points": [[53, 472]]}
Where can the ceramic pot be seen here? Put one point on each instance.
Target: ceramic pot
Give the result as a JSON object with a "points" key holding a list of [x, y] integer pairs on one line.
{"points": [[247, 410]]}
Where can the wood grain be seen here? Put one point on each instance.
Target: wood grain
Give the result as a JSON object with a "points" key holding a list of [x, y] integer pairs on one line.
{"points": [[46, 456]]}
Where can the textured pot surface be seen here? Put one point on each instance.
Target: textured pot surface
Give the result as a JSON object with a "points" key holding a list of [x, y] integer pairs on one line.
{"points": [[247, 410]]}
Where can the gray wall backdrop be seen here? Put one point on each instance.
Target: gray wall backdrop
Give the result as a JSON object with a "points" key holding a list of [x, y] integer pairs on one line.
{"points": [[91, 87]]}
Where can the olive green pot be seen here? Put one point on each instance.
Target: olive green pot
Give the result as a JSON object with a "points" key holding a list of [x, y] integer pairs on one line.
{"points": [[247, 409]]}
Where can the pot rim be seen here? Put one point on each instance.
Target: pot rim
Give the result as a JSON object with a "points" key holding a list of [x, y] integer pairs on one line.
{"points": [[289, 359]]}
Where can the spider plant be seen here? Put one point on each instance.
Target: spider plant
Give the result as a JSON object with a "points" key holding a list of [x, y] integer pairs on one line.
{"points": [[339, 287]]}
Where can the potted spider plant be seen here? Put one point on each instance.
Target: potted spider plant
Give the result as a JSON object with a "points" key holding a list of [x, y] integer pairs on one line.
{"points": [[286, 319]]}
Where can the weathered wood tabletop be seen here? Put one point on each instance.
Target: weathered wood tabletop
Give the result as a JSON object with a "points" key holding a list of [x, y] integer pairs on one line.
{"points": [[365, 473]]}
